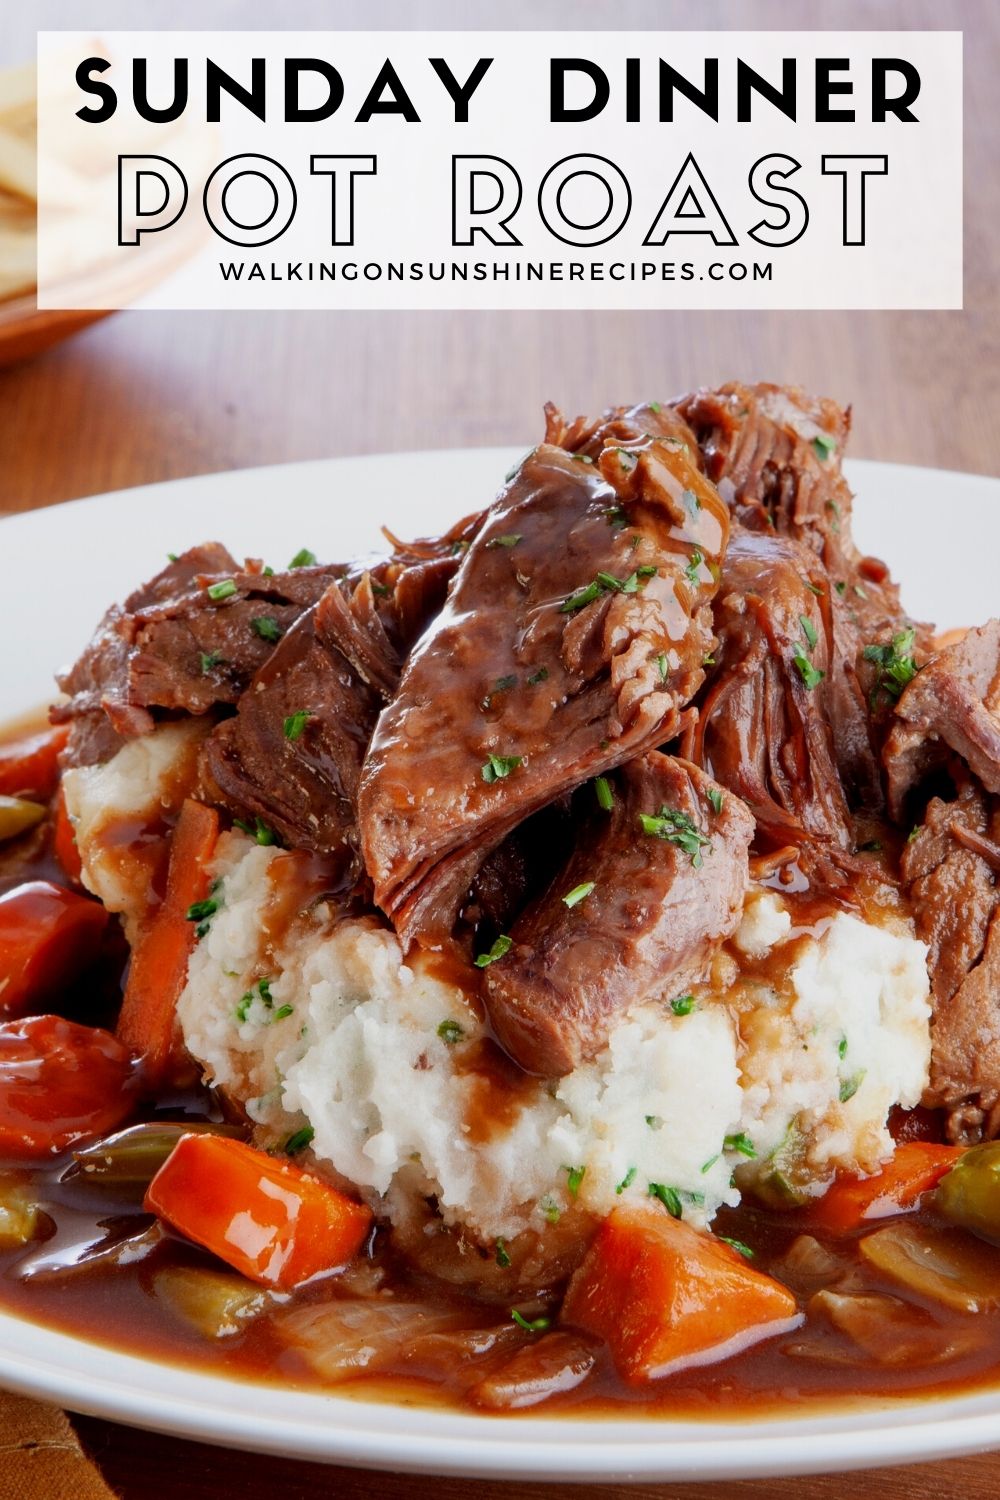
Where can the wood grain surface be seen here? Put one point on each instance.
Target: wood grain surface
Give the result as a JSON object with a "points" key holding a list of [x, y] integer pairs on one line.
{"points": [[144, 397]]}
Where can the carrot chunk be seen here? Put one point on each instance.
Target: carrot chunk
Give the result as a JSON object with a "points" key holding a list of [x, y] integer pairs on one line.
{"points": [[158, 972], [29, 766], [266, 1218], [915, 1168], [48, 935], [664, 1296], [64, 841]]}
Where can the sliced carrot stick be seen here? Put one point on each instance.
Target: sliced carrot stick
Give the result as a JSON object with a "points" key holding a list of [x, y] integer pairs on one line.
{"points": [[159, 961], [29, 766], [665, 1296], [915, 1168], [64, 840], [266, 1218]]}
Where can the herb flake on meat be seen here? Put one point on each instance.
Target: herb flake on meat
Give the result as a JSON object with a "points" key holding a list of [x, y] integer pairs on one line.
{"points": [[499, 766], [502, 945], [676, 827]]}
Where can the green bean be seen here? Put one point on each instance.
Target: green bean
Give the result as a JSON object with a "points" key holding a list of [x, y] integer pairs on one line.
{"points": [[17, 815], [130, 1159]]}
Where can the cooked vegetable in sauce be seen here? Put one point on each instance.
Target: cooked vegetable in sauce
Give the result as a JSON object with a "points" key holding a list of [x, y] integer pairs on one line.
{"points": [[557, 962]]}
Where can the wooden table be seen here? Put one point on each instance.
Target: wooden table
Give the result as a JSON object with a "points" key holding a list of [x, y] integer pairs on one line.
{"points": [[158, 396]]}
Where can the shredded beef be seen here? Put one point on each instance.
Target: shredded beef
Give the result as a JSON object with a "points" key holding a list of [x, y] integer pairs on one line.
{"points": [[574, 633], [657, 909]]}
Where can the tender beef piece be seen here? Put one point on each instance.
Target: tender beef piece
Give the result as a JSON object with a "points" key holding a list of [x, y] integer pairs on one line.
{"points": [[619, 424], [337, 663], [953, 703], [574, 632], [657, 913], [762, 731], [950, 868], [775, 454], [303, 787], [172, 648]]}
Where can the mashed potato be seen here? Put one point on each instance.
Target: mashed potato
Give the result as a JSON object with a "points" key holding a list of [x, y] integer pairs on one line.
{"points": [[321, 1024]]}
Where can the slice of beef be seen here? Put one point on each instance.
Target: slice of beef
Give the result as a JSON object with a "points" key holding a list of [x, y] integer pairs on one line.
{"points": [[764, 727], [950, 869], [619, 424], [656, 909], [574, 632], [172, 647], [953, 703], [775, 454], [336, 666], [298, 775]]}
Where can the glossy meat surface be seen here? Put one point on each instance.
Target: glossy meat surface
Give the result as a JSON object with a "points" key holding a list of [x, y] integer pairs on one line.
{"points": [[656, 908], [574, 633]]}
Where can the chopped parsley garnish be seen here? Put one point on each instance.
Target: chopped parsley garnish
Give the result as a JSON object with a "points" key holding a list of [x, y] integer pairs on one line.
{"points": [[840, 587], [583, 458], [202, 912], [834, 510], [824, 445], [504, 684], [809, 631], [815, 589], [654, 1122], [842, 1048], [894, 663], [655, 407], [502, 1258], [299, 1141], [578, 893], [551, 1210], [258, 830], [450, 1032], [913, 834], [682, 1005], [669, 1197], [738, 1246], [627, 459], [460, 546], [741, 1143], [244, 1006], [535, 1325], [849, 1086], [263, 988], [172, 557], [873, 846], [540, 676], [303, 559], [811, 676], [224, 589], [615, 516], [282, 1012], [708, 661], [380, 589], [661, 663], [499, 766], [510, 540], [691, 501], [574, 1177], [604, 792], [267, 628], [210, 659], [716, 798], [502, 945], [707, 1167], [692, 569], [627, 1180], [606, 583], [296, 723], [676, 827]]}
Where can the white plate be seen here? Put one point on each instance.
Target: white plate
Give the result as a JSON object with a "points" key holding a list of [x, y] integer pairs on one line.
{"points": [[61, 567]]}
